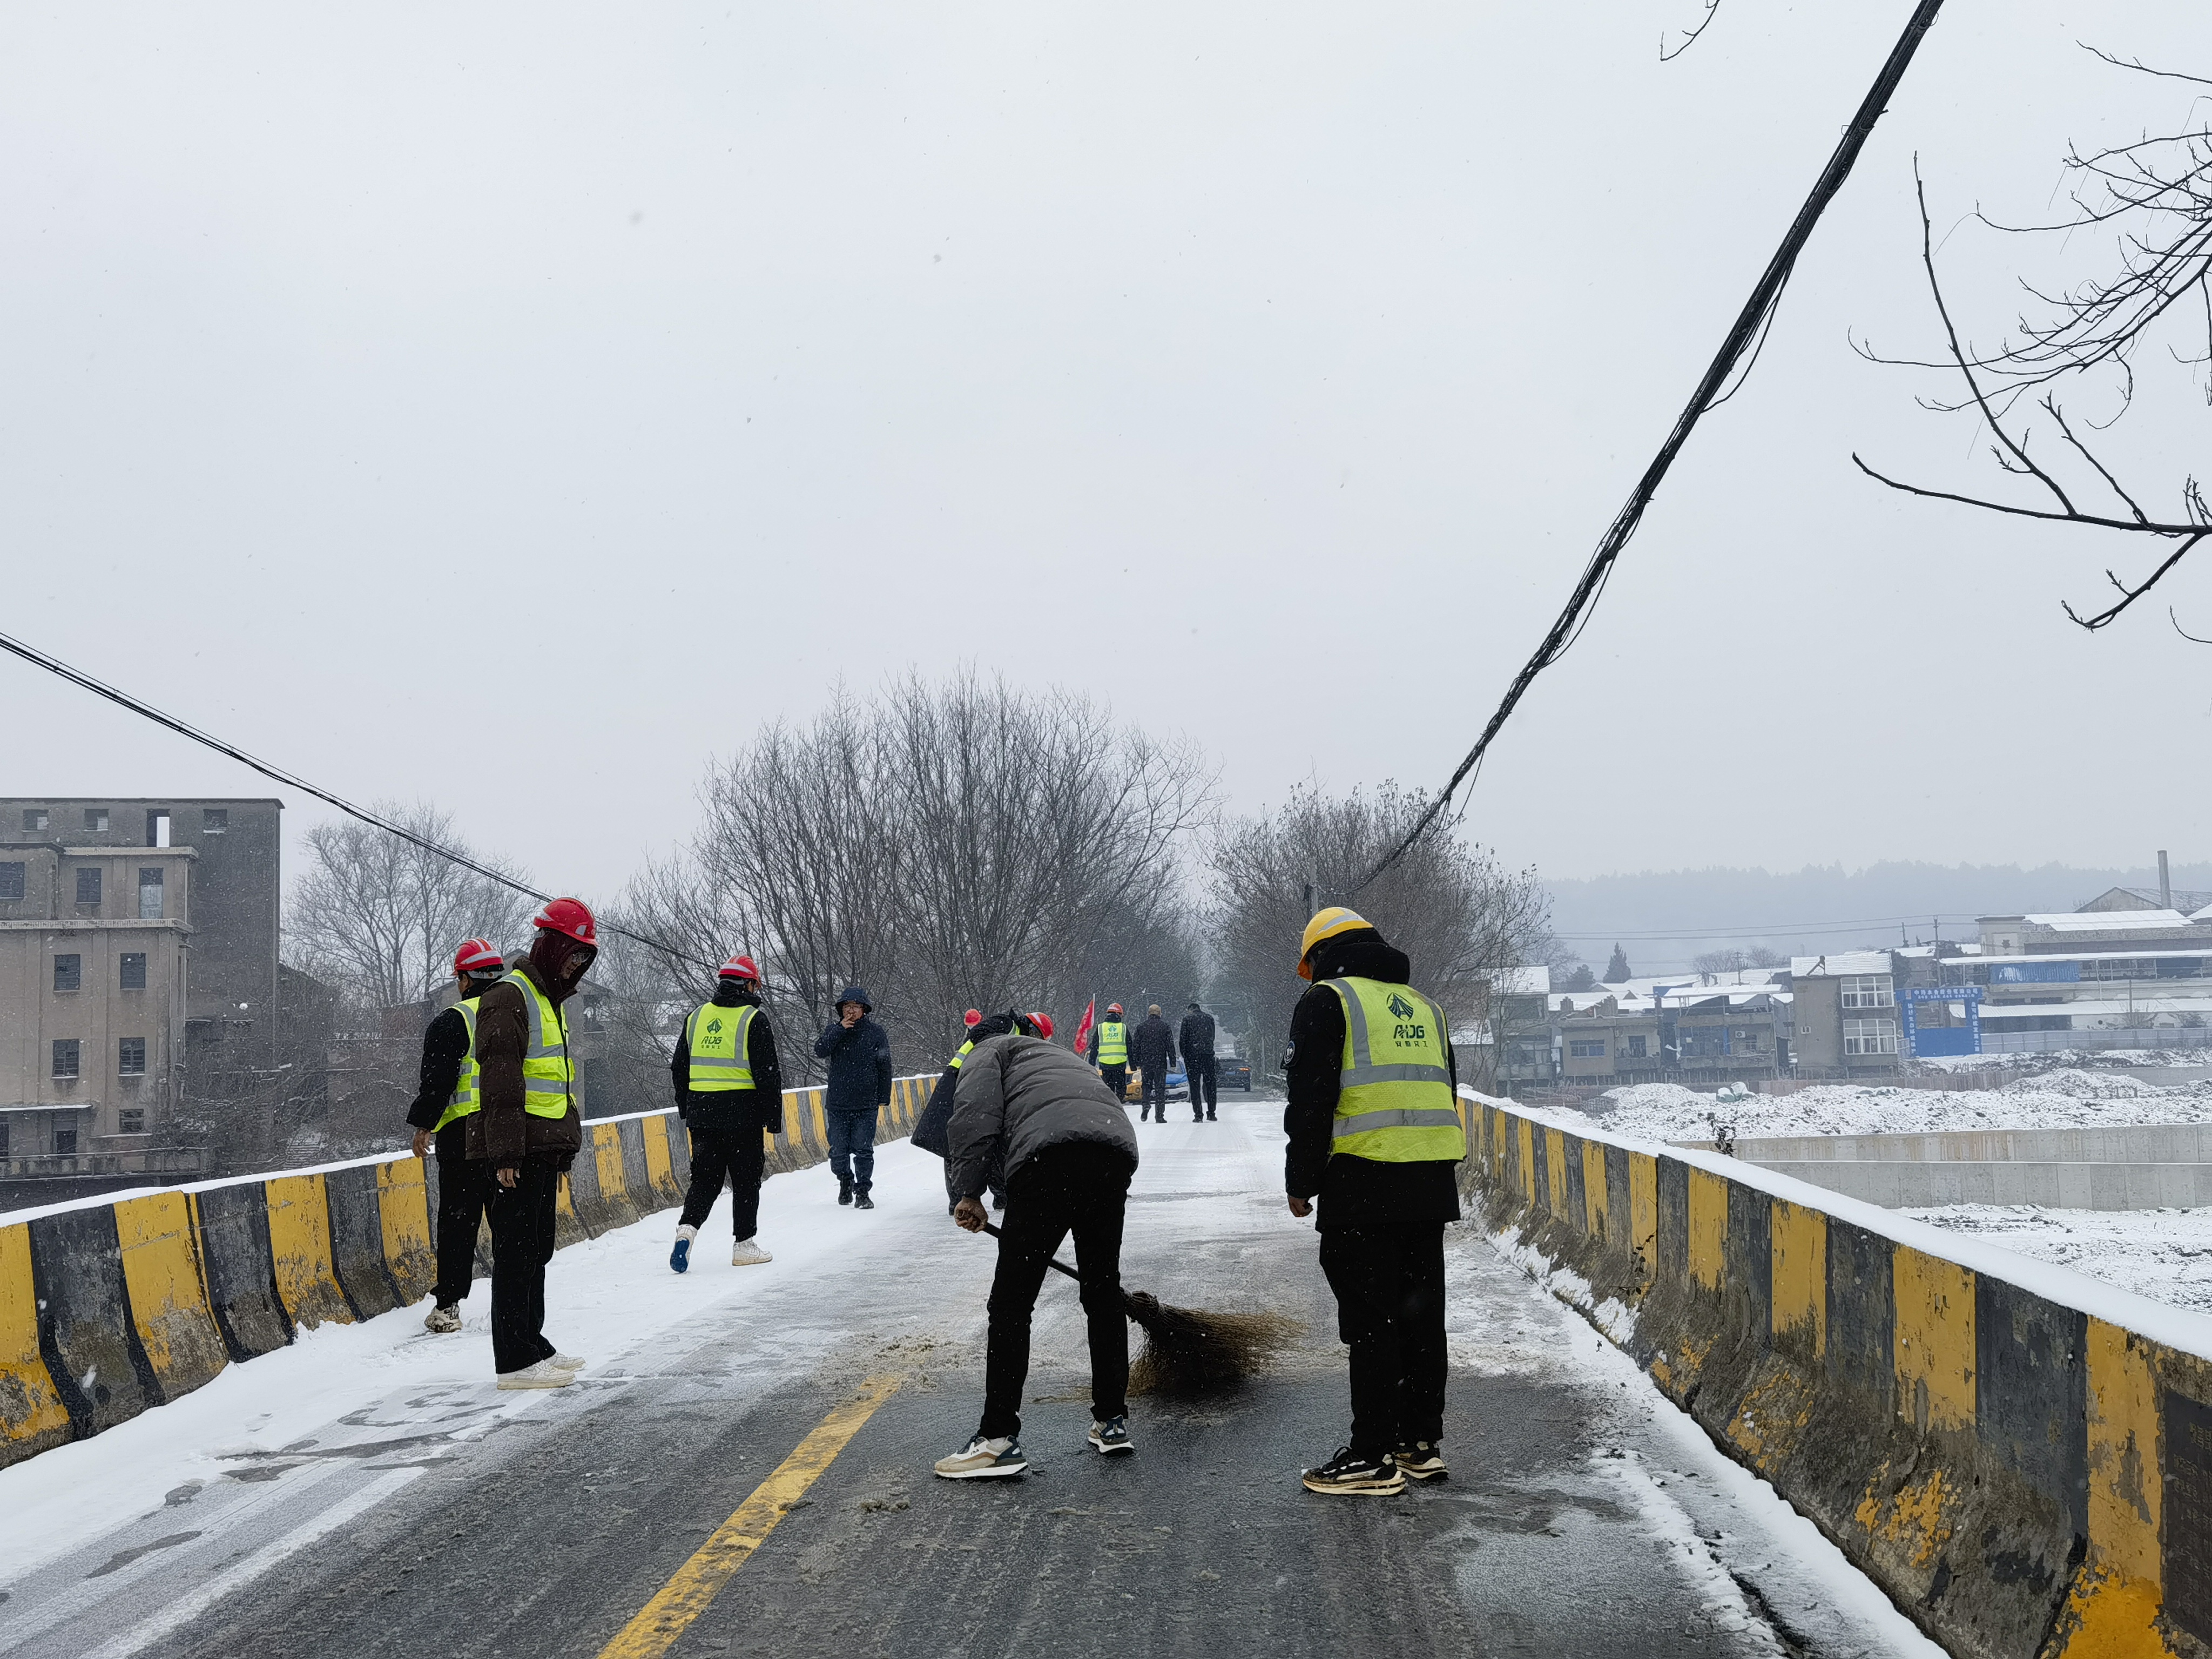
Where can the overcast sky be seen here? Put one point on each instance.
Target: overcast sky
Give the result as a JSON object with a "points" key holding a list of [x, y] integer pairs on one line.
{"points": [[513, 406]]}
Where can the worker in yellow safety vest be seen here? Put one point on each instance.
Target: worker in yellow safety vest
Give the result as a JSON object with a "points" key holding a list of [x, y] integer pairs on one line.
{"points": [[1376, 1134], [729, 1092], [448, 1097], [1109, 1050]]}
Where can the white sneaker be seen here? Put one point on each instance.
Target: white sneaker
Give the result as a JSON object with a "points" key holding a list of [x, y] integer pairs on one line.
{"points": [[443, 1320], [544, 1375], [564, 1362], [747, 1253], [984, 1459]]}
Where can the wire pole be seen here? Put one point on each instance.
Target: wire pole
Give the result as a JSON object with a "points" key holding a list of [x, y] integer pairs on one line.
{"points": [[1750, 325]]}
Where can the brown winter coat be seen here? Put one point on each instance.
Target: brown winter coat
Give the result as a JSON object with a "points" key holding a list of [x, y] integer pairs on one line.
{"points": [[501, 1134]]}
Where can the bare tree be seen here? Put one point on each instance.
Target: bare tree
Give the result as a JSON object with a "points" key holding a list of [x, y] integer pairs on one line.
{"points": [[1711, 965], [1447, 905], [378, 917], [2151, 199]]}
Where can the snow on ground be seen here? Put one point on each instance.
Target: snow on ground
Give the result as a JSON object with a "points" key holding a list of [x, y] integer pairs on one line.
{"points": [[2064, 1099], [2065, 1057], [2165, 1255]]}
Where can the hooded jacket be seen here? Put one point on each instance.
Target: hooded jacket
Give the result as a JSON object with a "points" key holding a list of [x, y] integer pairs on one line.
{"points": [[1152, 1045], [760, 1107], [859, 1077], [1355, 1193], [1018, 1096], [501, 1134]]}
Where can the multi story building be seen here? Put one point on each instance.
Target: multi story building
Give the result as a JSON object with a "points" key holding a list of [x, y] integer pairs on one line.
{"points": [[1844, 1008]]}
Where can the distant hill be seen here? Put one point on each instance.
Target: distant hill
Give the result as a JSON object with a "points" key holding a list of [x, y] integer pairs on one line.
{"points": [[1681, 912]]}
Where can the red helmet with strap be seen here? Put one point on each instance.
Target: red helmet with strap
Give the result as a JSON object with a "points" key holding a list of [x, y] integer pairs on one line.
{"points": [[569, 916], [1112, 1007], [478, 955], [743, 968], [1043, 1023]]}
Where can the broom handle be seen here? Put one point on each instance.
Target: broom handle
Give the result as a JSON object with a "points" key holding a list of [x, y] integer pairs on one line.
{"points": [[1050, 1261]]}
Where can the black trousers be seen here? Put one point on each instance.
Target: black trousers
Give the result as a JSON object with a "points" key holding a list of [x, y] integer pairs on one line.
{"points": [[733, 1155], [521, 1245], [1202, 1071], [463, 1188], [1389, 1285], [1116, 1078], [1156, 1092], [1081, 1188]]}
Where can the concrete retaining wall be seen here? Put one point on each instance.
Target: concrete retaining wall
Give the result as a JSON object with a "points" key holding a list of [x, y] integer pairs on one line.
{"points": [[110, 1306], [2147, 1167], [2020, 1456]]}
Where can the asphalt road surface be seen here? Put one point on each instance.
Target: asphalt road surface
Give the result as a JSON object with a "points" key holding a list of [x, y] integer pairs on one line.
{"points": [[1583, 1515]]}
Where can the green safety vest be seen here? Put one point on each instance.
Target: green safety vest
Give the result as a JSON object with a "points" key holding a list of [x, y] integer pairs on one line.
{"points": [[466, 1097], [1113, 1043], [716, 1036], [547, 1071], [1394, 1101], [966, 1049]]}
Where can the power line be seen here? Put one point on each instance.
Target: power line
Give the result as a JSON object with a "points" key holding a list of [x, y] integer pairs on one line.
{"points": [[1749, 325], [77, 677]]}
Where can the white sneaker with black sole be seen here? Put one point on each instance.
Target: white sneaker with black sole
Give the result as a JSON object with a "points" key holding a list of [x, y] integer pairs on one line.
{"points": [[983, 1460], [1112, 1436], [544, 1375]]}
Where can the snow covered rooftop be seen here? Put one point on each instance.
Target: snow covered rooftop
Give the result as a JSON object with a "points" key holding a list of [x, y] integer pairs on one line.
{"points": [[1523, 982], [2110, 922], [1838, 963]]}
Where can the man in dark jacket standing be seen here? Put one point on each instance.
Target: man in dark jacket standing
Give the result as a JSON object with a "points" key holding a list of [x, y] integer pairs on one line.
{"points": [[1374, 1132], [1152, 1045], [859, 1086], [528, 1132], [447, 1096], [1042, 1117], [1196, 1039], [729, 1092]]}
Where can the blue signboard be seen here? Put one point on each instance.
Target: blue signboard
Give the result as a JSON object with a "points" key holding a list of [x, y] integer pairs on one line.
{"points": [[1930, 1042]]}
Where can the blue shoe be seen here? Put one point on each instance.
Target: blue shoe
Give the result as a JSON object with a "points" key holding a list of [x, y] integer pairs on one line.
{"points": [[680, 1257]]}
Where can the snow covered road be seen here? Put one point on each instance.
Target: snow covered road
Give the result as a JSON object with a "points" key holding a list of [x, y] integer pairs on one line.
{"points": [[368, 1492]]}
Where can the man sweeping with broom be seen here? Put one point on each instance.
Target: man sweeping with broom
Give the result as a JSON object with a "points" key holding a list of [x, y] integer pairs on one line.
{"points": [[1040, 1118]]}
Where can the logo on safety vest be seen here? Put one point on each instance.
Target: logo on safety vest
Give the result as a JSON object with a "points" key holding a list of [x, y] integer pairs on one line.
{"points": [[1399, 1008], [714, 1026]]}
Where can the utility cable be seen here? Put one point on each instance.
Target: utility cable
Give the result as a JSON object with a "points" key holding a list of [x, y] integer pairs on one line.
{"points": [[1757, 310], [77, 677]]}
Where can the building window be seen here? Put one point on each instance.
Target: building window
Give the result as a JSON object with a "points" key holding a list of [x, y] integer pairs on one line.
{"points": [[2121, 967], [66, 1056], [88, 884], [134, 971], [150, 894], [131, 1120], [1586, 1049], [1868, 991], [68, 971], [131, 1056], [214, 820], [1869, 1036], [95, 819], [1747, 1042], [4, 1137], [11, 881], [1638, 1047], [65, 1142], [34, 818]]}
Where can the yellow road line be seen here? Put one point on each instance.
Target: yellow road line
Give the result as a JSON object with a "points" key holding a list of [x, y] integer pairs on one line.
{"points": [[699, 1580]]}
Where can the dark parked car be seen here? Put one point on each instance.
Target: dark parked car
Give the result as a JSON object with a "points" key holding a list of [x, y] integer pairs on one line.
{"points": [[1229, 1070]]}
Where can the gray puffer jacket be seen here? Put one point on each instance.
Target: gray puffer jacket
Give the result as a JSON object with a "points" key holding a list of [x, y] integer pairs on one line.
{"points": [[1018, 1096]]}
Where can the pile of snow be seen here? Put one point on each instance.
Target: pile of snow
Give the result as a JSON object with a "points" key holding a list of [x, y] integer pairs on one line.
{"points": [[1667, 1111], [2165, 1255], [2061, 1059]]}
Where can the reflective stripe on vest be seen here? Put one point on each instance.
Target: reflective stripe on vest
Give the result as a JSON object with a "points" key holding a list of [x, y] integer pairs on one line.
{"points": [[546, 1069], [1113, 1043], [966, 1049], [1394, 1104], [466, 1097], [720, 1059]]}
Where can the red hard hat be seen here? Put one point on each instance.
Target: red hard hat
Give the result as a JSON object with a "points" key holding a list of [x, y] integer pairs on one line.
{"points": [[1112, 1007], [1043, 1023], [973, 1016], [569, 916], [740, 968], [477, 955]]}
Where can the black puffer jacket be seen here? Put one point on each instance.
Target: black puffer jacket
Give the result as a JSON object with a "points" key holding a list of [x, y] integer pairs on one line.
{"points": [[859, 1079], [1355, 1193], [1016, 1096]]}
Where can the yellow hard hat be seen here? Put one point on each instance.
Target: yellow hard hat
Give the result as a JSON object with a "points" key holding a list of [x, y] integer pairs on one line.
{"points": [[1326, 924]]}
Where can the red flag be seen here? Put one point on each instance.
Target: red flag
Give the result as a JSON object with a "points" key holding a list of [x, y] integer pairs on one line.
{"points": [[1083, 1032]]}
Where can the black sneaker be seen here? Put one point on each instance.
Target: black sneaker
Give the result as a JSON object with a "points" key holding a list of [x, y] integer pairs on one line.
{"points": [[1350, 1475], [1112, 1436], [1424, 1459], [844, 1191], [862, 1201]]}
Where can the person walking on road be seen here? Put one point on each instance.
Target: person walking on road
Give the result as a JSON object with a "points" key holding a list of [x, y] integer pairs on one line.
{"points": [[859, 1086], [1063, 1141], [1110, 1051], [1375, 1132], [1152, 1045], [446, 1096], [527, 1132], [729, 1092], [1196, 1040]]}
